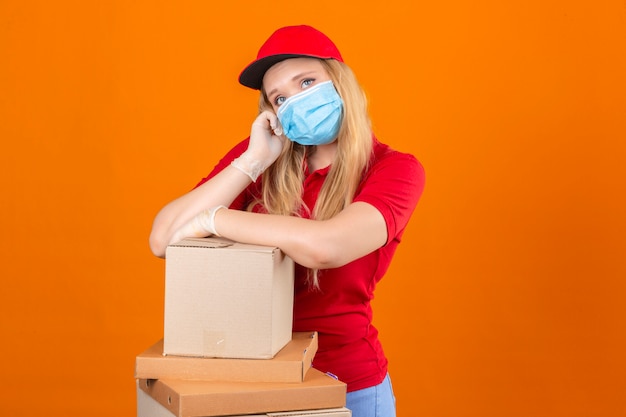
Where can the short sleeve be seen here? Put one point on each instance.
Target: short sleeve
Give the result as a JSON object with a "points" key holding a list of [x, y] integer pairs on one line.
{"points": [[394, 185]]}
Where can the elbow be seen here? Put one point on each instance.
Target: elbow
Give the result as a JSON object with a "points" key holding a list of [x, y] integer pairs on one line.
{"points": [[323, 259], [157, 248], [323, 256], [157, 241]]}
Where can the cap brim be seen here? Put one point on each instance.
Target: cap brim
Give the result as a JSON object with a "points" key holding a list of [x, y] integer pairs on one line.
{"points": [[252, 75]]}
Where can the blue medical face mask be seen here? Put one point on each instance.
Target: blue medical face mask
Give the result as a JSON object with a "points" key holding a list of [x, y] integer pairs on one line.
{"points": [[312, 117]]}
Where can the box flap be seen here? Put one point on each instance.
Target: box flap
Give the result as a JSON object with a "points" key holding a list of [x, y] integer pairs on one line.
{"points": [[219, 243], [202, 242]]}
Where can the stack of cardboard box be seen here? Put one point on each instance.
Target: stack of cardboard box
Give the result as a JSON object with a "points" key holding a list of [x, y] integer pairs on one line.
{"points": [[228, 348]]}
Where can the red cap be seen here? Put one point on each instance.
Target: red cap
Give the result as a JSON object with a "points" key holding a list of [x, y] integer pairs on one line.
{"points": [[288, 42]]}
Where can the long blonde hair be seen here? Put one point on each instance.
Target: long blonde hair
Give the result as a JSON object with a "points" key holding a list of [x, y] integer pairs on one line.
{"points": [[283, 180]]}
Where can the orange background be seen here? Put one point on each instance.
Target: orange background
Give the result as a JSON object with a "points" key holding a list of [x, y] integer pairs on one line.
{"points": [[507, 297]]}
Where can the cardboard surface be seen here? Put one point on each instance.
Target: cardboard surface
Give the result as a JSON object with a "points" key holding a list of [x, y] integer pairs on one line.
{"points": [[329, 412], [189, 398], [227, 300], [149, 407], [290, 364]]}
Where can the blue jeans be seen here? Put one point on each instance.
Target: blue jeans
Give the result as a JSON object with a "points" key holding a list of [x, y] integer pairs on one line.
{"points": [[376, 401]]}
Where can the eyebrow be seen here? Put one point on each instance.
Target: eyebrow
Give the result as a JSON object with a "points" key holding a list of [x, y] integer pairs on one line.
{"points": [[295, 77]]}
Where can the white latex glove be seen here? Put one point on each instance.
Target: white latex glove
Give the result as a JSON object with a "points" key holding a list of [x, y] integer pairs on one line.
{"points": [[266, 144], [202, 225]]}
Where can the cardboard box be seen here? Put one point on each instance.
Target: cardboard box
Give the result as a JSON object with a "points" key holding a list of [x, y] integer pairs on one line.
{"points": [[149, 407], [193, 398], [290, 364], [227, 300]]}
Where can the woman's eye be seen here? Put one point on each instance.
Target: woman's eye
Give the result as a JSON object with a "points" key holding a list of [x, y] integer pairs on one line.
{"points": [[307, 82], [279, 100]]}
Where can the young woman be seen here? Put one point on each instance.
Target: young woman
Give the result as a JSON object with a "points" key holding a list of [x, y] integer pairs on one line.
{"points": [[313, 180]]}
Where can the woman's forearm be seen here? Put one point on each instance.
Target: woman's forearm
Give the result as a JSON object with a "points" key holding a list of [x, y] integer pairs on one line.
{"points": [[219, 190], [353, 233]]}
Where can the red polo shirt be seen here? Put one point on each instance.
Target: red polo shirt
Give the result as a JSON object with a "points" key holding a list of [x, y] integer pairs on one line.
{"points": [[340, 310]]}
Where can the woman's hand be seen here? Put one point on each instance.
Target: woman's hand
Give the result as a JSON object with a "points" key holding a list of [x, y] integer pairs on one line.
{"points": [[266, 144], [266, 139]]}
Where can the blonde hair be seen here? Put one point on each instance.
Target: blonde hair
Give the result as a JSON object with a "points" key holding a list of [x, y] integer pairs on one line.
{"points": [[283, 180]]}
